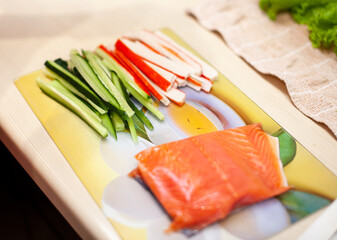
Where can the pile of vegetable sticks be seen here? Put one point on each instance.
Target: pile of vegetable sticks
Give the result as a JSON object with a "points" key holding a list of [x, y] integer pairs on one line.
{"points": [[103, 87]]}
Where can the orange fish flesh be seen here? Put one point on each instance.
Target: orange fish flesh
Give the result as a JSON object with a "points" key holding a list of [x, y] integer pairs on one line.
{"points": [[201, 179]]}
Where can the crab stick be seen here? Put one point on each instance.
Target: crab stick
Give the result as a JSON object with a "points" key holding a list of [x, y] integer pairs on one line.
{"points": [[142, 65], [181, 82], [165, 74], [129, 67], [193, 86], [175, 95], [151, 41], [208, 71], [159, 60], [157, 91], [166, 49], [121, 71], [206, 85], [149, 84]]}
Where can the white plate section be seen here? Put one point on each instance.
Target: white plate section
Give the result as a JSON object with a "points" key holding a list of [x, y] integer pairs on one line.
{"points": [[219, 113]]}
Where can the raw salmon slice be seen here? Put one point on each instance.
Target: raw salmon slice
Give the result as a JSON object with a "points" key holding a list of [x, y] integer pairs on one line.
{"points": [[201, 179]]}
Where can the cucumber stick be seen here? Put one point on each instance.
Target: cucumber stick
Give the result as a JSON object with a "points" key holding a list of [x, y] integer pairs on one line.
{"points": [[138, 112], [141, 116], [117, 121], [117, 83], [132, 130], [106, 122], [121, 72], [100, 70], [55, 90], [75, 82], [91, 78], [59, 87], [72, 89], [144, 101]]}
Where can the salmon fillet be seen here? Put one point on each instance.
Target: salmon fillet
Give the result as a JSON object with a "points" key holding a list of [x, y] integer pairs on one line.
{"points": [[201, 179]]}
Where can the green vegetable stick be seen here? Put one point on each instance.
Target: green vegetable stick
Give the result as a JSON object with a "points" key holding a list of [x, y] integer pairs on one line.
{"points": [[59, 93], [117, 121], [106, 122]]}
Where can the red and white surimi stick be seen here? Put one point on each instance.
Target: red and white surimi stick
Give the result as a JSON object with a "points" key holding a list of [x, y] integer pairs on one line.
{"points": [[175, 51], [181, 82], [165, 74], [149, 84], [193, 86], [142, 65], [206, 85], [158, 92], [130, 68], [173, 94], [163, 97], [154, 43], [176, 95], [208, 71], [194, 81], [159, 60]]}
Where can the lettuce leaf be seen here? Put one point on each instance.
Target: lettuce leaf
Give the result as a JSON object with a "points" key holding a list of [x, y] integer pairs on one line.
{"points": [[319, 15]]}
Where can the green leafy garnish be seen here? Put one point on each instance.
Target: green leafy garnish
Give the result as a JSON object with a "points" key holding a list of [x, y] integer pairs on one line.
{"points": [[319, 15]]}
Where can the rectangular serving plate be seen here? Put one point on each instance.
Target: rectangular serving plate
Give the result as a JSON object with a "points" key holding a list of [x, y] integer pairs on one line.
{"points": [[80, 145]]}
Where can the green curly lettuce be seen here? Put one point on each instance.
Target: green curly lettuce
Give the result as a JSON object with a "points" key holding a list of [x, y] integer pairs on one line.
{"points": [[319, 15]]}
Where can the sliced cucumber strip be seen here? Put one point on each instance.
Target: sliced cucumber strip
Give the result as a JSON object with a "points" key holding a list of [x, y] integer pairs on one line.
{"points": [[96, 65], [71, 88], [90, 77], [106, 122], [59, 87], [141, 115], [75, 82], [144, 101], [55, 90], [132, 130], [117, 121], [117, 83], [114, 66]]}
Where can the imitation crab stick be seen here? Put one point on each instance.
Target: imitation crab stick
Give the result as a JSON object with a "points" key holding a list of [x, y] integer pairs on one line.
{"points": [[176, 95], [205, 84], [142, 65], [164, 48], [165, 74], [196, 82], [173, 94], [151, 41], [143, 78], [131, 68], [208, 71], [181, 82], [193, 86], [157, 59], [160, 92]]}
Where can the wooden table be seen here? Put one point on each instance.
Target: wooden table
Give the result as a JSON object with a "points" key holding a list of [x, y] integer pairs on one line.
{"points": [[32, 31]]}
